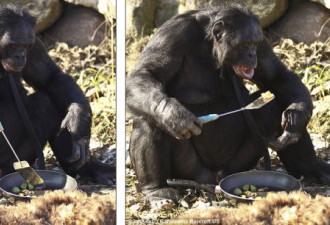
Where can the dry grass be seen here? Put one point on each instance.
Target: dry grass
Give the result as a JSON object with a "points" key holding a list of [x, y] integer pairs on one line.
{"points": [[58, 207], [282, 208]]}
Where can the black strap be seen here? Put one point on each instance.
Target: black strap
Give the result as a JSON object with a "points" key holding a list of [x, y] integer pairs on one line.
{"points": [[251, 123], [27, 123]]}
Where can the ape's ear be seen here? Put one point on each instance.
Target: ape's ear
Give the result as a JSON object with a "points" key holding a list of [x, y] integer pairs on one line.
{"points": [[218, 29]]}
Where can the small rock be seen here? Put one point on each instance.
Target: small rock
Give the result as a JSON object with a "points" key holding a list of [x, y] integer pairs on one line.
{"points": [[326, 3], [184, 204], [200, 204], [4, 201], [303, 22], [109, 156], [135, 207], [267, 11], [106, 7], [79, 26], [224, 203], [47, 12]]}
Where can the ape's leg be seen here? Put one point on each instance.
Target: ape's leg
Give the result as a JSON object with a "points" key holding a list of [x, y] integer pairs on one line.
{"points": [[268, 120], [150, 151], [186, 163], [245, 158], [300, 159], [93, 170], [47, 120], [44, 117]]}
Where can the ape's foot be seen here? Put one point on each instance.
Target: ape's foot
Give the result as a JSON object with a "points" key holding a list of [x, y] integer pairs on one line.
{"points": [[163, 198], [97, 172], [318, 172], [323, 172]]}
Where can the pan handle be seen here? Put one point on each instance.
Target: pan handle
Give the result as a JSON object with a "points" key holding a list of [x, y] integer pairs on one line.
{"points": [[208, 118]]}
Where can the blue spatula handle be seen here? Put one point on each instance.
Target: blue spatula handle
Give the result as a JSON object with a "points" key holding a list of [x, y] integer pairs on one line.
{"points": [[208, 118]]}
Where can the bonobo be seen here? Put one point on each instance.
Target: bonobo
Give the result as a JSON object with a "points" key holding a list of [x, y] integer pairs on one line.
{"points": [[185, 71], [58, 109]]}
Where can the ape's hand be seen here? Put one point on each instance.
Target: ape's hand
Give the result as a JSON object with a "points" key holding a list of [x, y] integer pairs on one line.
{"points": [[187, 127], [78, 122], [294, 121], [180, 122]]}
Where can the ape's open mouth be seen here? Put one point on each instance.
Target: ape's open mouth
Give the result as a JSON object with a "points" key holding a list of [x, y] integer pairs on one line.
{"points": [[9, 67], [244, 71]]}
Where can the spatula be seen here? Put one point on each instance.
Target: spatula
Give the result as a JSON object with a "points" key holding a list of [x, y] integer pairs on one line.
{"points": [[256, 104], [23, 167]]}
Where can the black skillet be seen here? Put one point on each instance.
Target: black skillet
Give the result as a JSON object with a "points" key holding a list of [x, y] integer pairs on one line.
{"points": [[273, 180], [52, 181]]}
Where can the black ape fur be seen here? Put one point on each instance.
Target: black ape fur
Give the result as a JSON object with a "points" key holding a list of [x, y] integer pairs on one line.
{"points": [[58, 109], [184, 72]]}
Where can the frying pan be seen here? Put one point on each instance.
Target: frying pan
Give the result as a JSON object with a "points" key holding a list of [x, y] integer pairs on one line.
{"points": [[274, 180], [52, 180]]}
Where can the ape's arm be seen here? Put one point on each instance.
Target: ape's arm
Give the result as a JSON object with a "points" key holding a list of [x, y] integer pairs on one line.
{"points": [[43, 74], [292, 94], [158, 64]]}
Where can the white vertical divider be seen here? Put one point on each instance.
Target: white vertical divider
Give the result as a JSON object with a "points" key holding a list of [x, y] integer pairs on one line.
{"points": [[120, 109]]}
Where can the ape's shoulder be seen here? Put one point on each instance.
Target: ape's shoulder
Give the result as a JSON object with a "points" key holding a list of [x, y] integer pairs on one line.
{"points": [[184, 28]]}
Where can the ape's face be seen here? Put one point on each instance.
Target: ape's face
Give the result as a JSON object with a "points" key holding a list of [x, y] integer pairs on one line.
{"points": [[15, 40], [237, 43], [243, 54]]}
